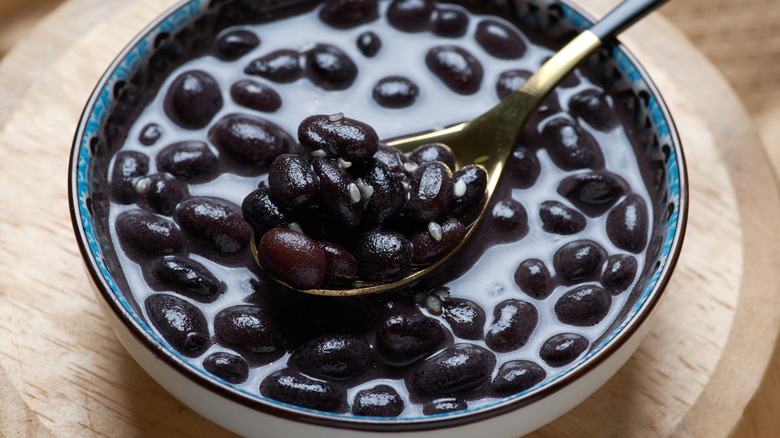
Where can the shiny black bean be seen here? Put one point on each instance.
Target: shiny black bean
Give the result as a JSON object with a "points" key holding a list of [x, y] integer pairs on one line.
{"points": [[292, 257], [457, 369], [341, 264], [583, 306], [444, 405], [571, 147], [513, 323], [250, 138], [291, 181], [557, 218], [523, 167], [393, 159], [161, 192], [338, 192], [339, 136], [592, 107], [181, 324], [186, 276], [431, 192], [388, 196], [280, 66], [563, 349], [294, 388], [150, 134], [578, 261], [379, 401], [627, 224], [466, 318], [254, 95], [474, 177], [142, 232], [335, 357], [193, 99], [227, 366], [456, 68], [450, 23], [346, 14], [619, 273], [433, 152], [191, 161], [369, 44], [262, 213], [214, 222], [427, 248], [403, 339], [593, 193], [329, 68], [395, 92], [128, 167], [516, 376], [234, 44], [386, 305], [499, 40], [510, 220], [533, 278], [411, 15], [248, 328]]}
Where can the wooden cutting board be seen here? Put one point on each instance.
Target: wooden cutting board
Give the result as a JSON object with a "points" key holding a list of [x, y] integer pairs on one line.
{"points": [[63, 372]]}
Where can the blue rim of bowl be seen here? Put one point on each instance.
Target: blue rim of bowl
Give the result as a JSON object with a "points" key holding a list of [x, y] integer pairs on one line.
{"points": [[99, 106]]}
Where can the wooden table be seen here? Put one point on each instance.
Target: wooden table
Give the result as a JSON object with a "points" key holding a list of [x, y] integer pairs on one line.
{"points": [[706, 368]]}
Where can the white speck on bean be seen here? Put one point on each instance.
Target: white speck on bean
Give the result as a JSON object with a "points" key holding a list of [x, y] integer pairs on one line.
{"points": [[435, 231]]}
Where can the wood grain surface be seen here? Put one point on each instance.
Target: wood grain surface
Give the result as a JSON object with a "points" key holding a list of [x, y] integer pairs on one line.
{"points": [[702, 370]]}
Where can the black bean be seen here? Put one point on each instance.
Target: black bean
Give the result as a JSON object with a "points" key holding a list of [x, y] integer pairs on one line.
{"points": [[150, 133], [385, 305], [430, 193], [393, 159], [142, 232], [444, 405], [458, 369], [533, 278], [499, 40], [627, 224], [294, 388], [571, 147], [292, 182], [513, 323], [181, 324], [191, 161], [474, 177], [619, 273], [456, 68], [261, 213], [511, 80], [254, 95], [228, 367], [379, 401], [593, 193], [388, 196], [250, 138], [592, 107], [193, 99], [339, 136], [583, 306], [557, 218], [450, 23], [369, 44], [214, 222], [562, 349], [516, 376], [510, 220], [578, 261], [411, 15], [346, 14], [162, 192], [128, 166], [403, 339], [329, 68], [427, 248], [248, 328], [280, 66], [292, 257], [523, 167], [466, 318], [395, 92], [335, 357], [341, 264], [234, 44], [338, 191], [433, 152], [186, 276]]}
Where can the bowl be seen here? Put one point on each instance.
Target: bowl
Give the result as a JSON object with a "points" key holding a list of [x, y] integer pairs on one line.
{"points": [[147, 63]]}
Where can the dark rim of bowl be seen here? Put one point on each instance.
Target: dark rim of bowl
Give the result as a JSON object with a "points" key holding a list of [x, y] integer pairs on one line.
{"points": [[583, 366]]}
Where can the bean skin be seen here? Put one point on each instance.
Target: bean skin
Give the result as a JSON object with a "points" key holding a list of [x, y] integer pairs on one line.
{"points": [[193, 99], [292, 257]]}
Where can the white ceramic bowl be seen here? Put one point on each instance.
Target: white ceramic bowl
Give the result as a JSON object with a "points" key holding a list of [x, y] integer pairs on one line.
{"points": [[246, 413]]}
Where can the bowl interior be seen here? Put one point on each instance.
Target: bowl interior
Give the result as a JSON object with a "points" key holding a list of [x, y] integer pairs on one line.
{"points": [[145, 63]]}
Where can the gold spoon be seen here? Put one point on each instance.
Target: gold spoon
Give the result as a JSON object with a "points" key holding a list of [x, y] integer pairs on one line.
{"points": [[498, 128]]}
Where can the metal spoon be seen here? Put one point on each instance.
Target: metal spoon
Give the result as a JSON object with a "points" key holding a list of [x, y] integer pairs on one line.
{"points": [[499, 127]]}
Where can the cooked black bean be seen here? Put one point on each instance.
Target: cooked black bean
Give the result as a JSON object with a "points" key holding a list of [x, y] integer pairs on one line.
{"points": [[557, 218], [627, 224], [394, 160], [594, 192], [248, 328], [339, 136], [466, 318], [254, 95], [294, 388], [292, 182], [334, 356], [562, 349], [329, 68], [388, 196], [292, 257], [513, 322], [444, 405], [571, 147], [433, 152], [369, 44], [346, 14], [338, 191], [516, 376], [142, 232], [524, 168], [262, 213], [281, 66], [214, 222], [250, 138], [395, 92], [341, 264], [379, 401], [180, 323], [499, 40], [150, 134], [128, 166], [227, 366], [458, 369], [161, 192], [186, 276], [533, 278], [578, 261], [403, 339], [474, 178], [430, 193], [619, 273], [430, 245], [592, 107], [234, 44], [191, 161], [193, 99], [411, 15], [510, 81], [510, 219], [450, 23], [456, 68], [583, 306], [380, 307]]}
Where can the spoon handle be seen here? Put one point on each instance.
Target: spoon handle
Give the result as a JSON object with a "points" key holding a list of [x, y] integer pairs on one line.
{"points": [[624, 15]]}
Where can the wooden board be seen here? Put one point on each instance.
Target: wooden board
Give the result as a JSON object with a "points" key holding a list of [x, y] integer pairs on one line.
{"points": [[63, 373]]}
